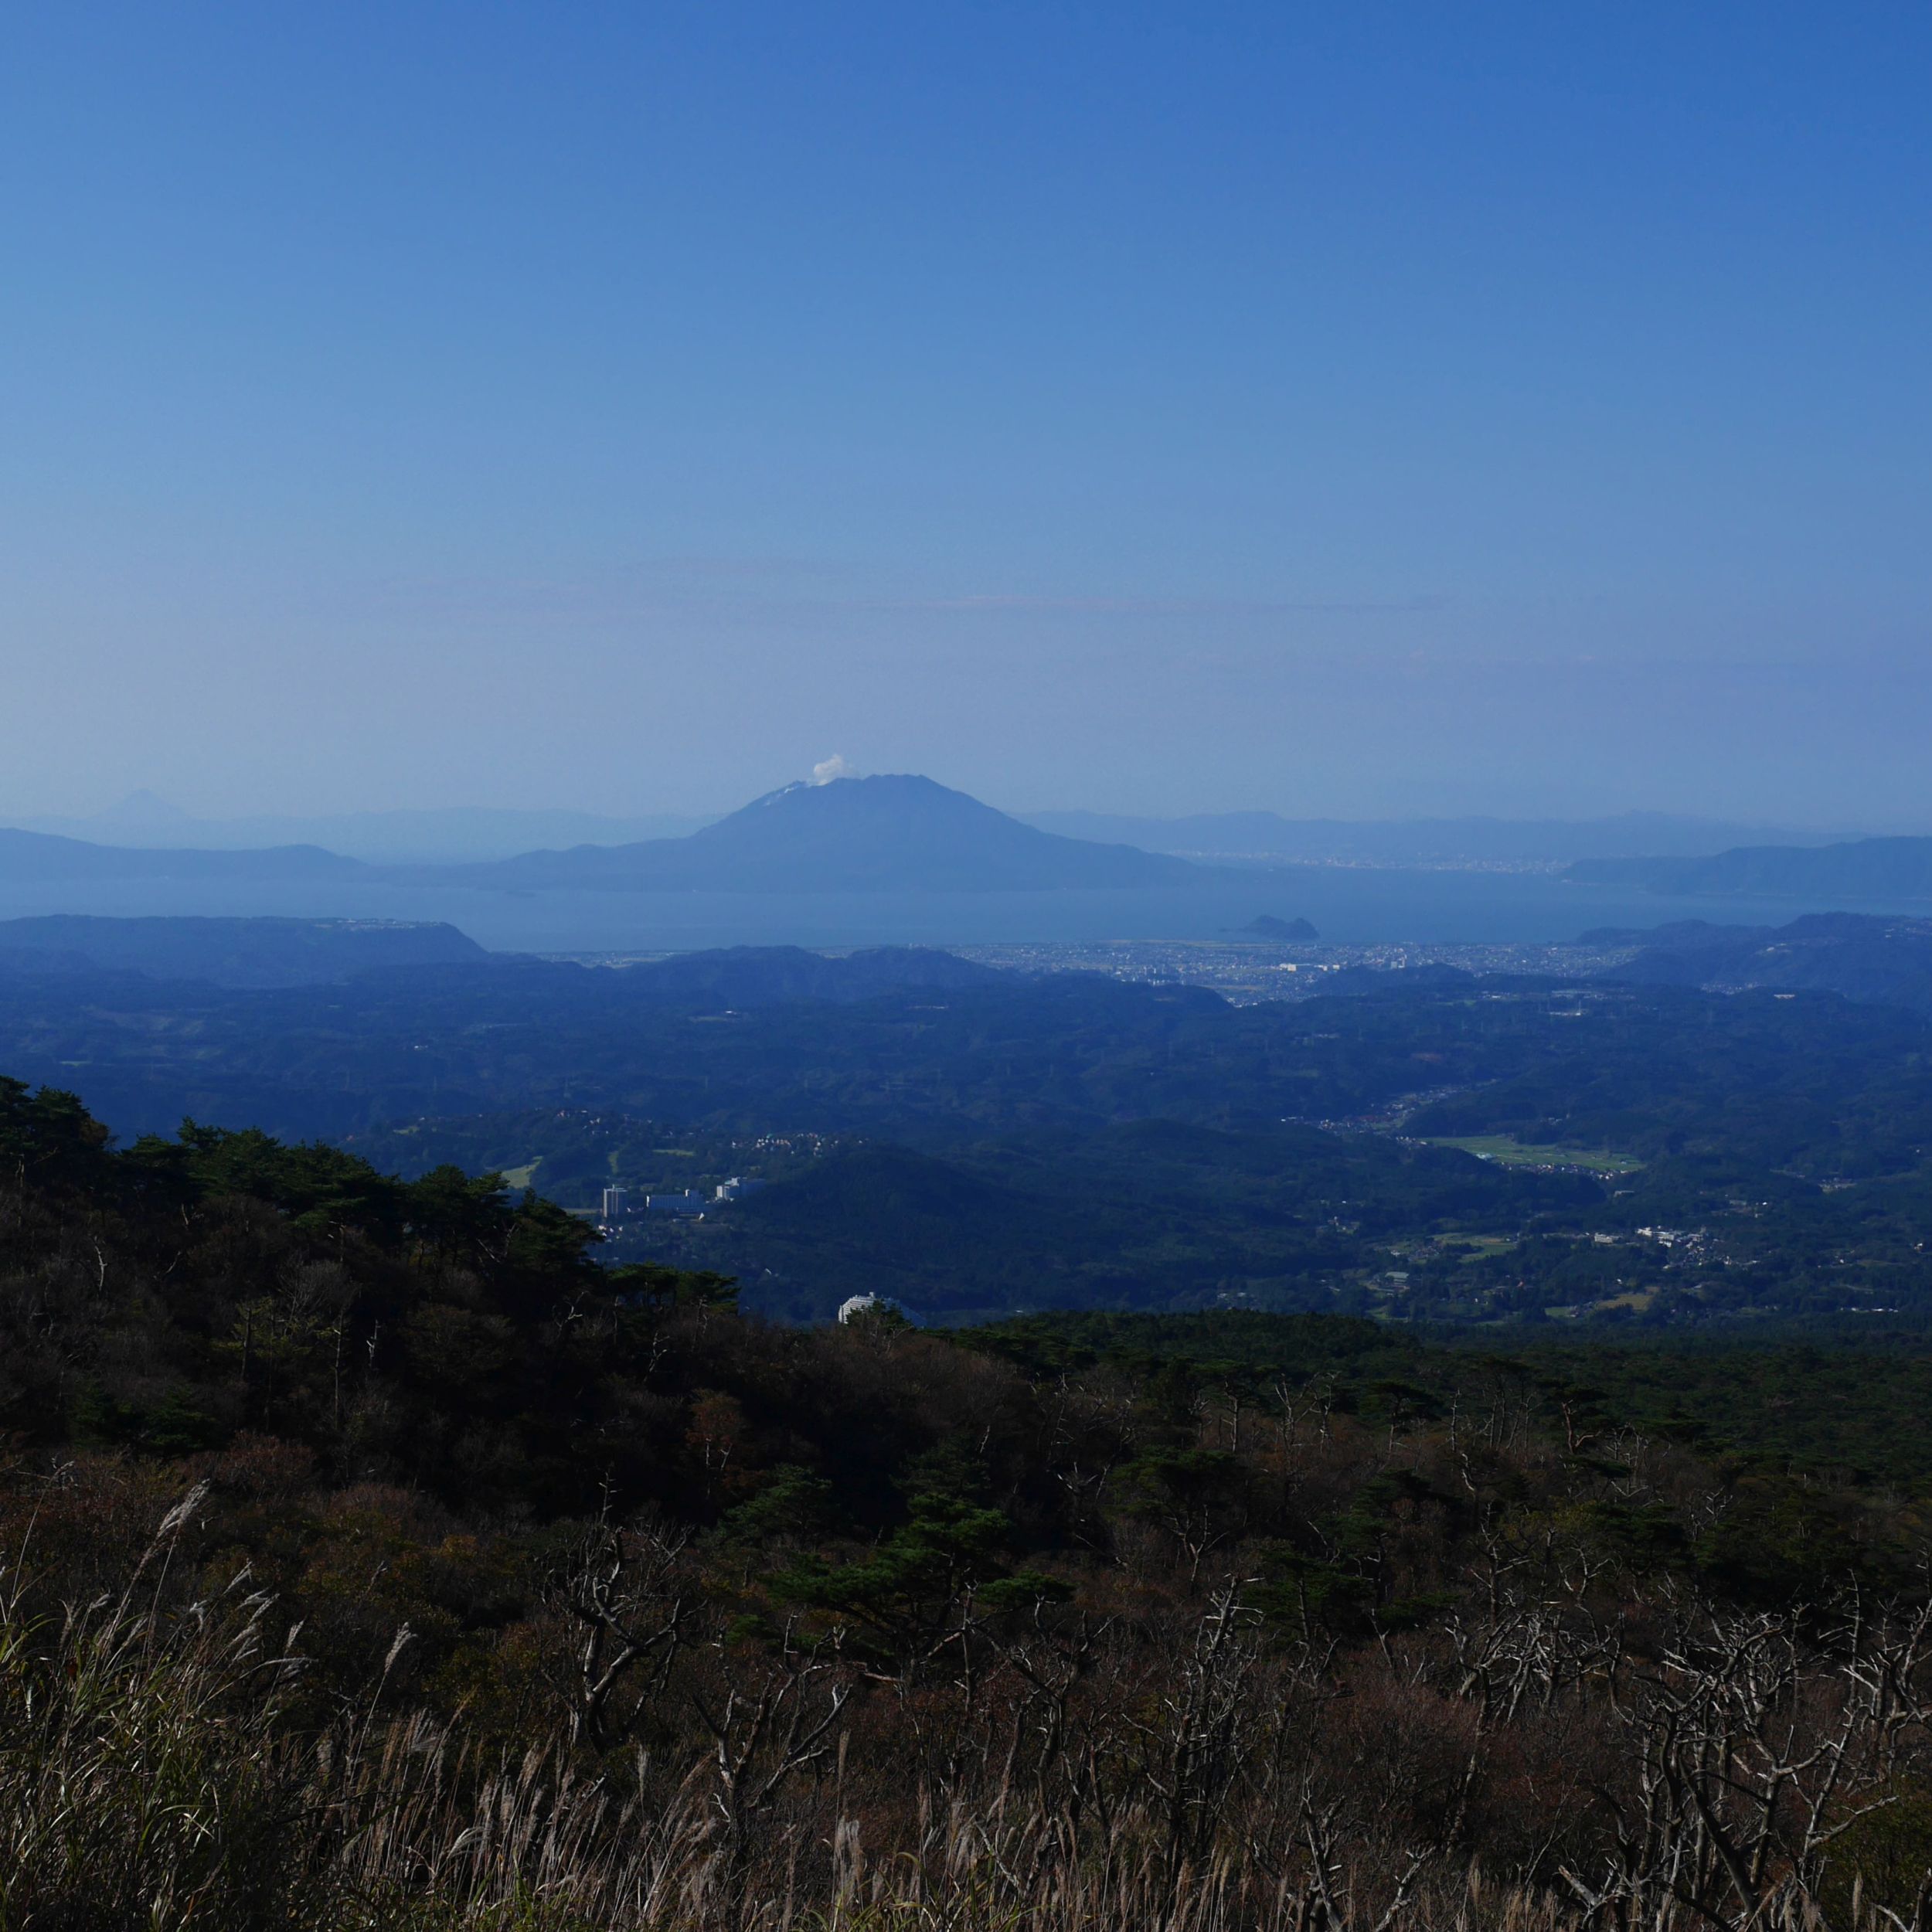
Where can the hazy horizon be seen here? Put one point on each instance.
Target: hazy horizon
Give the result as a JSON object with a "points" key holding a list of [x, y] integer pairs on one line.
{"points": [[144, 812], [1376, 414]]}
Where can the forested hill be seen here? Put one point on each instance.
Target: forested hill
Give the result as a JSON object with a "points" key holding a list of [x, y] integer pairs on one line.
{"points": [[390, 1563], [1875, 869], [178, 1293], [229, 952], [924, 1047], [1886, 960], [1501, 1150], [172, 1295]]}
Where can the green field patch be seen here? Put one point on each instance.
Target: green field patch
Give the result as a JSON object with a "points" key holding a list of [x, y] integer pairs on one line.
{"points": [[1507, 1150], [523, 1176]]}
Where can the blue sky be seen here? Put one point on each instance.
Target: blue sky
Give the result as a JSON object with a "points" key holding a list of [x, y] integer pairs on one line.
{"points": [[1366, 410]]}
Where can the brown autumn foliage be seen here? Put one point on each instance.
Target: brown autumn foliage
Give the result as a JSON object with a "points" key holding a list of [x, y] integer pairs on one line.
{"points": [[373, 1559], [1105, 1667]]}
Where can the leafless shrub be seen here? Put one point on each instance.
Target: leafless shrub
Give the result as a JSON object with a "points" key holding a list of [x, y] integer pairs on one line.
{"points": [[1520, 1767]]}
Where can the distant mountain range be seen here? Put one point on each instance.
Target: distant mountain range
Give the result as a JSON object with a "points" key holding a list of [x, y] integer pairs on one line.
{"points": [[908, 834], [476, 835], [37, 855], [1265, 835], [453, 835], [886, 834], [1861, 869]]}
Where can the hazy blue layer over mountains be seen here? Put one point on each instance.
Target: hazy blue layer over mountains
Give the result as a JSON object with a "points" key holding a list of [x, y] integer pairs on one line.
{"points": [[1859, 957], [1886, 960], [894, 861], [884, 834], [334, 1026], [451, 835], [1861, 870], [739, 977], [41, 855], [229, 952], [1225, 836], [463, 835], [978, 1140]]}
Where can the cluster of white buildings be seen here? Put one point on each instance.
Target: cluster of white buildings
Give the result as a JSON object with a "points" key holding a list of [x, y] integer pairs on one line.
{"points": [[617, 1200]]}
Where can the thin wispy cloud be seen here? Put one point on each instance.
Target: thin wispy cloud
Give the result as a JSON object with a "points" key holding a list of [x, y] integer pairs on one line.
{"points": [[774, 584], [996, 602]]}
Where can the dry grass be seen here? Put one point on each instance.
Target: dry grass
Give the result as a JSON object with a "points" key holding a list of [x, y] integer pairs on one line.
{"points": [[152, 1776]]}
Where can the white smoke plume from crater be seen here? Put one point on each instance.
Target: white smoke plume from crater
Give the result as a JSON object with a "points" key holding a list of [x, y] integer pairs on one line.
{"points": [[837, 766]]}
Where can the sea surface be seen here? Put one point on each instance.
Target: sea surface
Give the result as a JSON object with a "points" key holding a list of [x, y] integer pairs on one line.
{"points": [[1348, 905]]}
